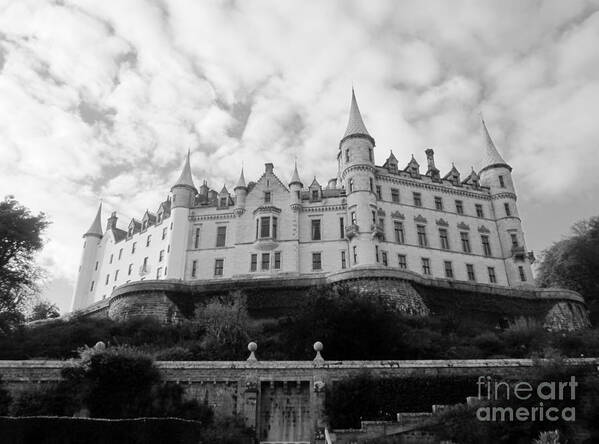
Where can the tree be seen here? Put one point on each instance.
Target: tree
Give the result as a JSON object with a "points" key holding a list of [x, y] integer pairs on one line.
{"points": [[573, 262], [20, 239], [44, 310]]}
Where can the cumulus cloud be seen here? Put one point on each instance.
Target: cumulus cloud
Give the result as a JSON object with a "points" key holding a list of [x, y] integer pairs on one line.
{"points": [[103, 99]]}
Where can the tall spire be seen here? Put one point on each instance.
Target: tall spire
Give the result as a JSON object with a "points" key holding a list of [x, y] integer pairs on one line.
{"points": [[241, 181], [295, 178], [355, 124], [492, 156], [96, 227], [185, 178]]}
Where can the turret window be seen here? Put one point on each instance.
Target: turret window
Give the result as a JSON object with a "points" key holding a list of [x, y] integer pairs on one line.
{"points": [[347, 155], [111, 257], [164, 233], [91, 288], [221, 236], [316, 261], [316, 234], [351, 185], [417, 199], [371, 182], [355, 253], [107, 279], [161, 256], [465, 241], [501, 182], [486, 245], [341, 228], [448, 270], [144, 266], [116, 275], [96, 268], [376, 252], [353, 219], [421, 230], [514, 238], [158, 272], [148, 240], [253, 262], [120, 254], [130, 270], [196, 238], [370, 154], [508, 210], [133, 247], [470, 272], [379, 194], [492, 277], [426, 266]]}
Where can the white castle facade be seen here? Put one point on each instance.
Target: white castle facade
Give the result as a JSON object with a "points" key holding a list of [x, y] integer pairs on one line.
{"points": [[411, 218]]}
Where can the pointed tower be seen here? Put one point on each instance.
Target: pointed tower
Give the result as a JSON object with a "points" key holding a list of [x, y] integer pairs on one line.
{"points": [[183, 194], [497, 175], [357, 175], [241, 192], [295, 188], [86, 277]]}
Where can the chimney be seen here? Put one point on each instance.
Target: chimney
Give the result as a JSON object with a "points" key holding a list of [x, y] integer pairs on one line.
{"points": [[268, 167], [111, 225], [430, 157]]}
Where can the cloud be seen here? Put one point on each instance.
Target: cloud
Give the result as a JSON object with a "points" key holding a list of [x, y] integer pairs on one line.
{"points": [[102, 99]]}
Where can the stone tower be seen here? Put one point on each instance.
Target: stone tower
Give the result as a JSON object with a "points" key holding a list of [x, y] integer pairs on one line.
{"points": [[183, 193], [357, 174], [497, 175], [85, 286]]}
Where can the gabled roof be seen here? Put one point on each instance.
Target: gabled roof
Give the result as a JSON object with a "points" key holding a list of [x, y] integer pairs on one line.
{"points": [[96, 227], [491, 156], [355, 124], [314, 183], [452, 173], [411, 163], [472, 178], [224, 190], [185, 178]]}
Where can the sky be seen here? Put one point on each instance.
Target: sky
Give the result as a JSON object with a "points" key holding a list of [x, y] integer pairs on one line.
{"points": [[102, 99]]}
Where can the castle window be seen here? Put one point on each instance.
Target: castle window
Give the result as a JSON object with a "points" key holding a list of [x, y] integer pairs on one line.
{"points": [[168, 250], [379, 194], [316, 229], [508, 211], [501, 182], [384, 257], [196, 238], [459, 207], [253, 262], [221, 236], [486, 245], [443, 237], [274, 227], [130, 270], [402, 261], [448, 270], [91, 288], [116, 275], [165, 270], [479, 210], [353, 218], [130, 233], [164, 233], [277, 265], [355, 252], [264, 226], [522, 275], [218, 267], [343, 261], [265, 264], [120, 254], [341, 228], [417, 199], [371, 182], [316, 262], [111, 257], [107, 279], [267, 197], [351, 185], [144, 267], [382, 226], [96, 266], [370, 156], [158, 272], [347, 155], [465, 241], [374, 218], [148, 240], [394, 195], [376, 252], [314, 194], [399, 232], [492, 277], [223, 202], [470, 271], [426, 266], [144, 225], [421, 230], [159, 218], [392, 167], [438, 203], [514, 238], [161, 256], [133, 247]]}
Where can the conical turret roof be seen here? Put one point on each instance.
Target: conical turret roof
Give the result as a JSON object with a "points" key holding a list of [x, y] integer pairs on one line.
{"points": [[355, 124], [492, 156], [185, 178], [241, 181], [96, 227], [295, 178]]}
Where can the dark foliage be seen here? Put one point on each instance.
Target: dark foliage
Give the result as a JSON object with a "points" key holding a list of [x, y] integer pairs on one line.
{"points": [[5, 398], [43, 310], [366, 397]]}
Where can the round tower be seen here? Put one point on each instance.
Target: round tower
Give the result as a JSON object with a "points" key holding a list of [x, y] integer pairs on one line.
{"points": [[295, 188], [497, 175], [357, 174], [86, 277], [183, 193], [241, 192]]}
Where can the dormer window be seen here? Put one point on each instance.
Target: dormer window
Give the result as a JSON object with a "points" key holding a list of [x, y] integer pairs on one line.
{"points": [[223, 202], [159, 219], [414, 171], [144, 225], [267, 197], [393, 168], [130, 233], [314, 194]]}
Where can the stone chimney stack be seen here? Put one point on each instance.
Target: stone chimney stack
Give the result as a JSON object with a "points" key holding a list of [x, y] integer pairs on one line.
{"points": [[430, 158], [111, 225], [268, 167]]}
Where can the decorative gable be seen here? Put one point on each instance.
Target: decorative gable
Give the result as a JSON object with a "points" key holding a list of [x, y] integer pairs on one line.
{"points": [[413, 168], [463, 226], [442, 222]]}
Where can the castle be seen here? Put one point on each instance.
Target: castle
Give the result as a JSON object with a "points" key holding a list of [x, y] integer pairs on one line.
{"points": [[406, 223]]}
